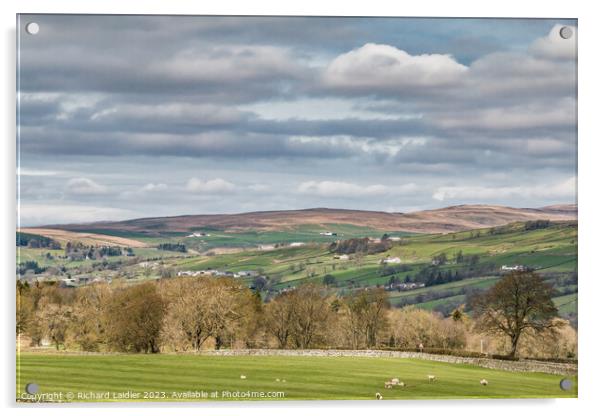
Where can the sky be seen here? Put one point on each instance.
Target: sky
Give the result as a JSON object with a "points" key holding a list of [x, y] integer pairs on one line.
{"points": [[139, 116]]}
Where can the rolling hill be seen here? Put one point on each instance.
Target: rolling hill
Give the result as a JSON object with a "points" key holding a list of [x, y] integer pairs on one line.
{"points": [[444, 220]]}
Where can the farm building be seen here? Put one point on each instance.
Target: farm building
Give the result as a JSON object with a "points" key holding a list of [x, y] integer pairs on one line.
{"points": [[392, 260], [516, 267]]}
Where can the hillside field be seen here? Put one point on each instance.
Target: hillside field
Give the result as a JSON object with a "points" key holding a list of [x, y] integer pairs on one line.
{"points": [[307, 378]]}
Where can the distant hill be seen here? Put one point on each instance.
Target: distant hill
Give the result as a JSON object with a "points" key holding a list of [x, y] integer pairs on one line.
{"points": [[450, 219]]}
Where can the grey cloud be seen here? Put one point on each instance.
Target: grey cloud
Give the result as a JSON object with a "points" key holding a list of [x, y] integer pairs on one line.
{"points": [[169, 94]]}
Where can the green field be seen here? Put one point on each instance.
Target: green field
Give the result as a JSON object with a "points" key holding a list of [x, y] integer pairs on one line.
{"points": [[307, 378], [551, 251], [566, 304]]}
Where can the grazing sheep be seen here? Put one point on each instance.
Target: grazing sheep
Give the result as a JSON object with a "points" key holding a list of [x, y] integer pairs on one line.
{"points": [[379, 396], [484, 382], [283, 380], [401, 384], [243, 377], [277, 380], [395, 381], [388, 385], [431, 378]]}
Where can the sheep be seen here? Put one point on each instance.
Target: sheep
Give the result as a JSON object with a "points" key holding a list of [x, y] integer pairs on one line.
{"points": [[484, 382], [401, 384], [283, 380], [431, 378], [395, 381], [277, 380], [379, 396], [388, 385], [243, 377]]}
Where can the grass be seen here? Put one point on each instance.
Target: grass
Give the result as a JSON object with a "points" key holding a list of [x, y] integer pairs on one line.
{"points": [[307, 378], [566, 304]]}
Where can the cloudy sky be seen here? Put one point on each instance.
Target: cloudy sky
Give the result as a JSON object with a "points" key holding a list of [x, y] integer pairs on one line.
{"points": [[124, 116]]}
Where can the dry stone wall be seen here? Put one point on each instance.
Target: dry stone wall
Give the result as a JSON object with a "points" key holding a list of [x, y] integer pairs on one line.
{"points": [[516, 366]]}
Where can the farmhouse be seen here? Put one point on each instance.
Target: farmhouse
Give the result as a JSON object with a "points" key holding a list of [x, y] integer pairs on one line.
{"points": [[190, 273], [296, 244], [516, 267], [392, 260], [328, 233], [196, 234], [246, 273], [404, 286], [68, 282]]}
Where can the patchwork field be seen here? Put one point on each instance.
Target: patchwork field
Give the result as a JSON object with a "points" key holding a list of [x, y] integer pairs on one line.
{"points": [[551, 251], [64, 236], [167, 377]]}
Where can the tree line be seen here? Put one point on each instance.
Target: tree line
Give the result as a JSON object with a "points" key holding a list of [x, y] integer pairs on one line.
{"points": [[190, 314]]}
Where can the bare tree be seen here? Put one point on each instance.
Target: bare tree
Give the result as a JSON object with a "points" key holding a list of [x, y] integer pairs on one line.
{"points": [[366, 317], [134, 318], [519, 301]]}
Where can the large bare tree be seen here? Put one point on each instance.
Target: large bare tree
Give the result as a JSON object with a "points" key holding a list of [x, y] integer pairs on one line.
{"points": [[520, 301]]}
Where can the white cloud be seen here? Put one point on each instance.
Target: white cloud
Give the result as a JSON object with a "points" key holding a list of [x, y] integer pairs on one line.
{"points": [[345, 189], [554, 46], [85, 186], [146, 191], [45, 214], [378, 67], [559, 191], [154, 187], [211, 186]]}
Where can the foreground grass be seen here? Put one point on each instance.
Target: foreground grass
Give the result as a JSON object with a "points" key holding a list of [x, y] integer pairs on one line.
{"points": [[307, 378]]}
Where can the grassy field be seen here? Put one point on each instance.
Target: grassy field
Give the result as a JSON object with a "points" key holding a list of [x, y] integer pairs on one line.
{"points": [[307, 378], [566, 304], [552, 251]]}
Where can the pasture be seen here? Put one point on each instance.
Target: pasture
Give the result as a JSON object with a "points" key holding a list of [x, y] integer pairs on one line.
{"points": [[307, 378]]}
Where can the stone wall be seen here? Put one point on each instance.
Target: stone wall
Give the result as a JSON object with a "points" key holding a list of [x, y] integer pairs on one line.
{"points": [[517, 366]]}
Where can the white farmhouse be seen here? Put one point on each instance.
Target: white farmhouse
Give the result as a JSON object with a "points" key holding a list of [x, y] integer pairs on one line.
{"points": [[392, 260], [516, 267]]}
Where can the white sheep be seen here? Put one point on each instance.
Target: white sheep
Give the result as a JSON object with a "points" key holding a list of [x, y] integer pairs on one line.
{"points": [[395, 381], [243, 377], [484, 382], [277, 380], [388, 385], [401, 384], [283, 380], [379, 396], [431, 378]]}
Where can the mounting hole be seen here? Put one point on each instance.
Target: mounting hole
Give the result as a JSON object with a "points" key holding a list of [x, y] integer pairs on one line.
{"points": [[32, 28], [566, 32], [566, 384], [32, 388]]}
